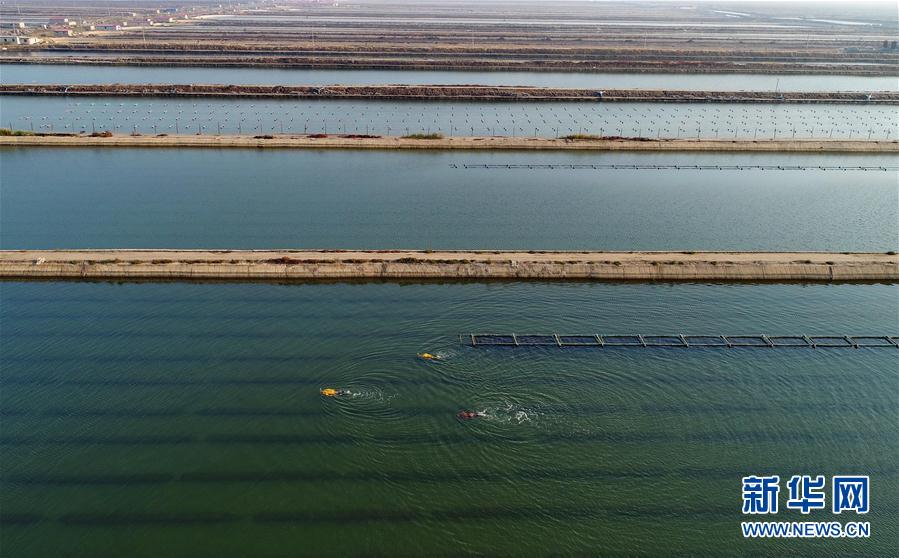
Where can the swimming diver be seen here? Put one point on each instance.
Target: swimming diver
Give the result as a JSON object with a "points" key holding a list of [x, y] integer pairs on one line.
{"points": [[468, 415], [428, 356], [331, 392]]}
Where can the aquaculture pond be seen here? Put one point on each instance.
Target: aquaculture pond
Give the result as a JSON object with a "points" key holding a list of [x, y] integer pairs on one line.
{"points": [[80, 73], [250, 198], [520, 119], [186, 420]]}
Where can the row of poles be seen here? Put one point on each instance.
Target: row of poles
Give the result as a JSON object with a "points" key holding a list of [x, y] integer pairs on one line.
{"points": [[557, 131]]}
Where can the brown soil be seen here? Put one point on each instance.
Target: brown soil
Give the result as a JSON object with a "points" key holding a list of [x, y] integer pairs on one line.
{"points": [[451, 92], [457, 142], [245, 265]]}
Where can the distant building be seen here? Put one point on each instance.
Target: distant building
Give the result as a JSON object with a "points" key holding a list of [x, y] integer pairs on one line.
{"points": [[61, 32], [12, 25], [107, 27], [62, 22], [17, 40]]}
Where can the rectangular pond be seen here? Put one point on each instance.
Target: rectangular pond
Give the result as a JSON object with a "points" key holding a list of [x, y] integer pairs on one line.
{"points": [[186, 420], [147, 115], [250, 198], [82, 73]]}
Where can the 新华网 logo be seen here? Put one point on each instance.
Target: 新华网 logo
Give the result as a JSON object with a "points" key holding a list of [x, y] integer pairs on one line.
{"points": [[806, 494]]}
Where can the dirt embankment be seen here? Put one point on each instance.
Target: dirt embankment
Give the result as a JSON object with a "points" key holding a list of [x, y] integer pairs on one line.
{"points": [[448, 265], [496, 51], [358, 141], [450, 92], [457, 64]]}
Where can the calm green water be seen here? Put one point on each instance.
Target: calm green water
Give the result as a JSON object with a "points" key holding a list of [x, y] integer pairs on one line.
{"points": [[185, 420], [64, 73], [208, 198]]}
